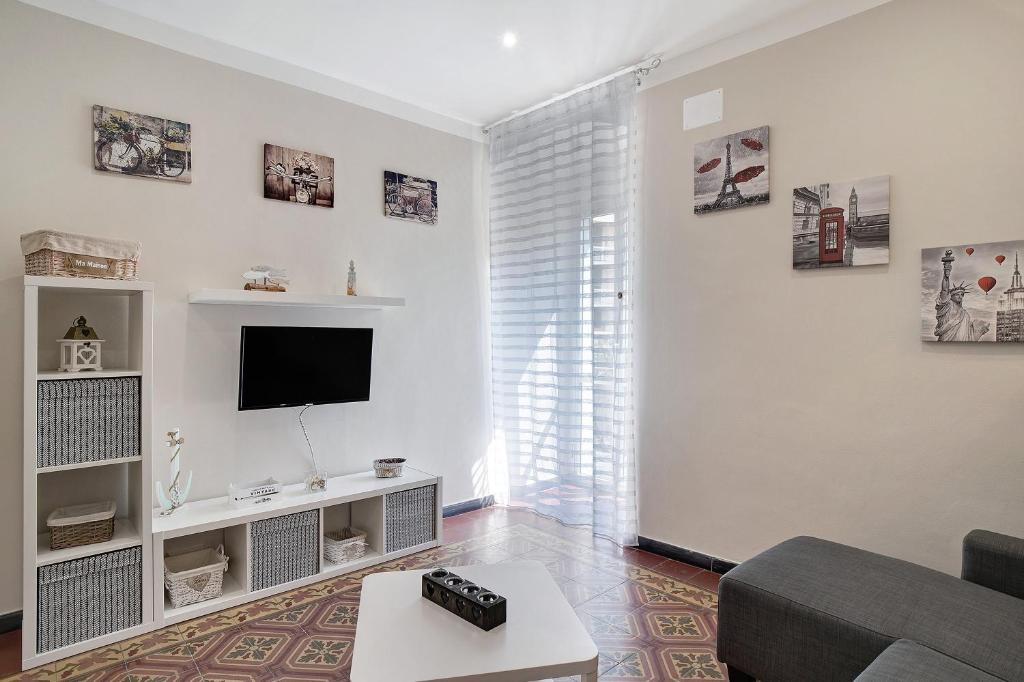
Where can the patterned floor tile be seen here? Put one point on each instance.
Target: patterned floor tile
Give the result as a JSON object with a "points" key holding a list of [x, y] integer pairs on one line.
{"points": [[672, 625], [320, 653], [334, 616], [157, 668], [91, 661], [651, 619], [689, 663]]}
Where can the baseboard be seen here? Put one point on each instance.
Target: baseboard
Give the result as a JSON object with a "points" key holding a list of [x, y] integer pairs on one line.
{"points": [[468, 506], [687, 556], [10, 621]]}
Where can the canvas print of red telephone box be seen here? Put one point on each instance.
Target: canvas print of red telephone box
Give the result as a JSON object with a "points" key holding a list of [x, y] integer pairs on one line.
{"points": [[144, 146], [972, 292], [409, 198], [841, 224], [731, 171], [298, 176]]}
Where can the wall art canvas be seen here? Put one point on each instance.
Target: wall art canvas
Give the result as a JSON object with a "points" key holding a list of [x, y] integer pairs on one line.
{"points": [[410, 198], [731, 171], [298, 176], [841, 224], [144, 146], [973, 292]]}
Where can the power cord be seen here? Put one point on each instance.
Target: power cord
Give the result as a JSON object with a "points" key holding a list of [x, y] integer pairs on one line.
{"points": [[316, 466]]}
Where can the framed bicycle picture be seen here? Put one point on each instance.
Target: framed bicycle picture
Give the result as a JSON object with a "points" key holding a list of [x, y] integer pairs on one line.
{"points": [[410, 198], [144, 146], [298, 176]]}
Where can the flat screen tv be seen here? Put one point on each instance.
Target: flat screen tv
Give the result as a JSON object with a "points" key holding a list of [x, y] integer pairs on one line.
{"points": [[290, 366]]}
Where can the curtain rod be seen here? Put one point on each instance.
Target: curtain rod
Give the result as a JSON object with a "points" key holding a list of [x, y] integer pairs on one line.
{"points": [[640, 69]]}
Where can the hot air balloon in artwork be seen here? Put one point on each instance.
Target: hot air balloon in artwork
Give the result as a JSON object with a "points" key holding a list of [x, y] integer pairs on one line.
{"points": [[748, 174], [710, 165], [1000, 258], [986, 283], [969, 250]]}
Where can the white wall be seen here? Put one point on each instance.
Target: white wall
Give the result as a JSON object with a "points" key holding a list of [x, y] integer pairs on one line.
{"points": [[775, 403], [429, 394]]}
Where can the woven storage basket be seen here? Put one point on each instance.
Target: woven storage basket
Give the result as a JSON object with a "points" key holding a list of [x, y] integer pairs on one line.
{"points": [[89, 597], [409, 518], [62, 254], [87, 420], [196, 576], [388, 468], [284, 548], [83, 524], [347, 544]]}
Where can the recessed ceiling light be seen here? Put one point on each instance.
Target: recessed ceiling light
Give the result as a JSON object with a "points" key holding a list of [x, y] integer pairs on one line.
{"points": [[509, 39]]}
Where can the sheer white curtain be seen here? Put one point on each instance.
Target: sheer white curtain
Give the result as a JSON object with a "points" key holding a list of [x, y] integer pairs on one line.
{"points": [[561, 213]]}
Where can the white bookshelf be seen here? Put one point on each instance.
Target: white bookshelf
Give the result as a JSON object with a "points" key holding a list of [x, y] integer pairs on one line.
{"points": [[291, 299], [123, 312]]}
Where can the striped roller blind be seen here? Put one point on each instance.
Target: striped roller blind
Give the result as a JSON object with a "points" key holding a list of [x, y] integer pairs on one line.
{"points": [[561, 204]]}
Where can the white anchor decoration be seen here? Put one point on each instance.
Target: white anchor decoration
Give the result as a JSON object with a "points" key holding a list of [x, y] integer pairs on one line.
{"points": [[176, 494]]}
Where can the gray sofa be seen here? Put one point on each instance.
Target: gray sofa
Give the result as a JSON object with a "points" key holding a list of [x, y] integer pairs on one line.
{"points": [[809, 609]]}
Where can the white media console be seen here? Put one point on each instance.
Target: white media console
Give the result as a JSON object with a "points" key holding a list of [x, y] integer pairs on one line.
{"points": [[359, 500]]}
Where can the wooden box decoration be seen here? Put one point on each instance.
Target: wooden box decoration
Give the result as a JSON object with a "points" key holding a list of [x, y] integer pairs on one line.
{"points": [[472, 603], [80, 348]]}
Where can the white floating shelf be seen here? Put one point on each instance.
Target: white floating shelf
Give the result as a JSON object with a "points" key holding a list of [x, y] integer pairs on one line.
{"points": [[125, 536], [55, 375], [291, 299]]}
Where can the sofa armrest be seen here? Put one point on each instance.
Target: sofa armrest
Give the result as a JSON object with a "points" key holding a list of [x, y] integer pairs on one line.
{"points": [[994, 561]]}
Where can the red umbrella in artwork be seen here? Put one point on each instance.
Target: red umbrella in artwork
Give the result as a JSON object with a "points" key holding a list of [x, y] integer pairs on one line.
{"points": [[986, 283], [1000, 259], [969, 250], [710, 165], [748, 173], [751, 143]]}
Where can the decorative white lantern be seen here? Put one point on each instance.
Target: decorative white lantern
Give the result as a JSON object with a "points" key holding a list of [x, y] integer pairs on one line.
{"points": [[80, 348]]}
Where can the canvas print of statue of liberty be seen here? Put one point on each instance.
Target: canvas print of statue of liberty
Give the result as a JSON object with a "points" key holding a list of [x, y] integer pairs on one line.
{"points": [[973, 293]]}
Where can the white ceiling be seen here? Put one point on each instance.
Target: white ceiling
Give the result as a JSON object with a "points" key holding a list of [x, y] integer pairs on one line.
{"points": [[444, 56]]}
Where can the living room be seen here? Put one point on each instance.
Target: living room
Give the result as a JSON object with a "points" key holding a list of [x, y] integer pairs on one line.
{"points": [[673, 328]]}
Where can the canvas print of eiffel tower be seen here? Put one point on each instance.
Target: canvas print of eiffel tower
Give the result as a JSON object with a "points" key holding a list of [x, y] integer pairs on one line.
{"points": [[731, 171]]}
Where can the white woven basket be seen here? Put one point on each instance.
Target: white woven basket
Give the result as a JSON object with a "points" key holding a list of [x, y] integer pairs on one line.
{"points": [[196, 576], [347, 544]]}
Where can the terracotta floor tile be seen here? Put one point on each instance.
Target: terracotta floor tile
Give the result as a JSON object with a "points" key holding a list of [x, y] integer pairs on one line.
{"points": [[10, 653]]}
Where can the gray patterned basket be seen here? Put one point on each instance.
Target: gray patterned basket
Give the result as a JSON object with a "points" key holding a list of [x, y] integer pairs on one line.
{"points": [[285, 548], [409, 517], [87, 420], [89, 597]]}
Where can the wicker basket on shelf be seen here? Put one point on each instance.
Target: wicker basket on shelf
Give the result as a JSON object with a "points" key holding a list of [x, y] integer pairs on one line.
{"points": [[388, 468], [62, 254], [196, 576], [83, 524], [347, 544]]}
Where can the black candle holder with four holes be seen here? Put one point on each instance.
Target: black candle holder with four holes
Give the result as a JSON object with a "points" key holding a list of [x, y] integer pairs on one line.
{"points": [[469, 601]]}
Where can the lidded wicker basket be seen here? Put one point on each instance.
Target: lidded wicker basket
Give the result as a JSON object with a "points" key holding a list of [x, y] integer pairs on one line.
{"points": [[83, 524], [388, 468], [63, 254]]}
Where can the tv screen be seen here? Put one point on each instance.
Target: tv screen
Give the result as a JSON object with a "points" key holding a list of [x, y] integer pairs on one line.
{"points": [[289, 366]]}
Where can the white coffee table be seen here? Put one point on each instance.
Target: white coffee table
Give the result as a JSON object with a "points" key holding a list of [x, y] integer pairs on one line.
{"points": [[403, 637]]}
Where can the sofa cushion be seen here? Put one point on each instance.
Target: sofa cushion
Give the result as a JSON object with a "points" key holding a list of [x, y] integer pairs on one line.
{"points": [[905, 660], [812, 609]]}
